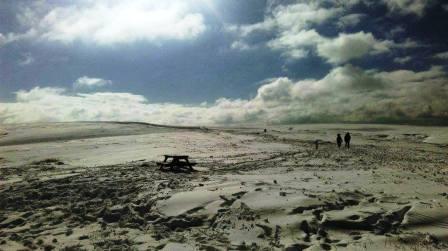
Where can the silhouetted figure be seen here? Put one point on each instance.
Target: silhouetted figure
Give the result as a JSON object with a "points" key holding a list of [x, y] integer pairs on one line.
{"points": [[316, 143], [339, 140], [347, 139], [265, 130]]}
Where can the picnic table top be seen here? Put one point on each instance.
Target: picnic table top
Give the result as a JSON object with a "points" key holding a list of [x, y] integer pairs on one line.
{"points": [[176, 156], [177, 161]]}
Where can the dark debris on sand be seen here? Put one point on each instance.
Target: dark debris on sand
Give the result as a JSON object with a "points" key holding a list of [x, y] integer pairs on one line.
{"points": [[117, 196]]}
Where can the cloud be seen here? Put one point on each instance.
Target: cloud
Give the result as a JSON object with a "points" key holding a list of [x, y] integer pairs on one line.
{"points": [[405, 7], [10, 37], [402, 60], [350, 20], [346, 93], [287, 18], [87, 82], [351, 46], [301, 15], [44, 95], [296, 45], [109, 22], [241, 45], [289, 22], [396, 31], [26, 60], [337, 50], [2, 40], [407, 44], [407, 76], [291, 31], [441, 55], [54, 104]]}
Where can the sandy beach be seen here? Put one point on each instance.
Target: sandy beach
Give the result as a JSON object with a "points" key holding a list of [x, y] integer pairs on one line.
{"points": [[96, 186]]}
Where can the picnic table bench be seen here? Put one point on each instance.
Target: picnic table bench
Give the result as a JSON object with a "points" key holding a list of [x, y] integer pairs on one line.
{"points": [[176, 161]]}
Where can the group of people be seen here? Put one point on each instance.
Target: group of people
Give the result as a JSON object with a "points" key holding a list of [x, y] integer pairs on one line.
{"points": [[347, 139], [339, 141]]}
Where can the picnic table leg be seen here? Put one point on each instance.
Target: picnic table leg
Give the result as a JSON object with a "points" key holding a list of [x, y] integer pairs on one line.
{"points": [[188, 162], [174, 163], [161, 165]]}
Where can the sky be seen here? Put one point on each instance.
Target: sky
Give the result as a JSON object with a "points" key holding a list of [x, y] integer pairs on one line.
{"points": [[208, 62]]}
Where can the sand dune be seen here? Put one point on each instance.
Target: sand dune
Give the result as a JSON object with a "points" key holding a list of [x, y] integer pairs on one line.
{"points": [[39, 133], [96, 186]]}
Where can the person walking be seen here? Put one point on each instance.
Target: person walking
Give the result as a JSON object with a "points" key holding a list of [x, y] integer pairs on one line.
{"points": [[339, 140], [347, 139]]}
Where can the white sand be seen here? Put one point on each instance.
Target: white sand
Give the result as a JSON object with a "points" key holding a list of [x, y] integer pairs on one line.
{"points": [[96, 186]]}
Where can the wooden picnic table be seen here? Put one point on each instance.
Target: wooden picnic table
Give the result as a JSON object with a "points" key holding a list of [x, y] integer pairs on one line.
{"points": [[176, 161]]}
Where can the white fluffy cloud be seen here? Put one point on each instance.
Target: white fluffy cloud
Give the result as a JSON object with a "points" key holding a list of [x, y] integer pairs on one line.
{"points": [[441, 55], [415, 7], [350, 46], [350, 20], [402, 60], [293, 34], [108, 22], [408, 77], [340, 49], [296, 45], [294, 17], [88, 82], [336, 50], [290, 22], [346, 93]]}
